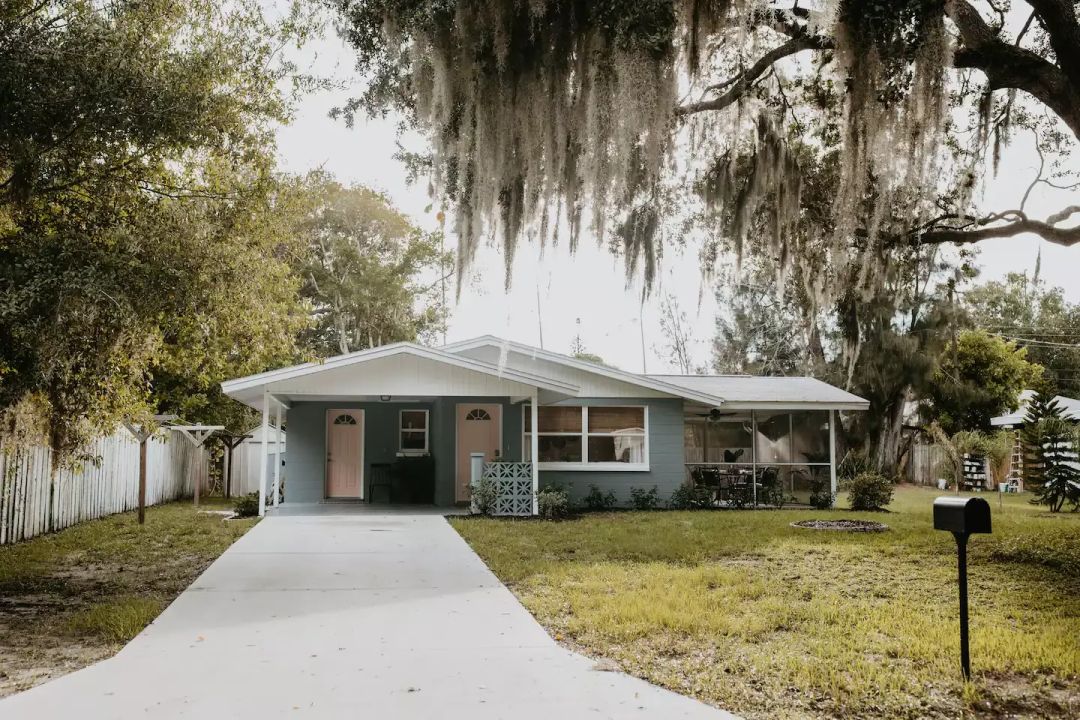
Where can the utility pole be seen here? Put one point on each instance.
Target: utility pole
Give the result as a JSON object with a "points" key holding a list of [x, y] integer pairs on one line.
{"points": [[441, 216], [539, 317]]}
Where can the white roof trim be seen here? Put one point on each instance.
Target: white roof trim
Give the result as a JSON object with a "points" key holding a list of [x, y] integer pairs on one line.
{"points": [[231, 387], [602, 370]]}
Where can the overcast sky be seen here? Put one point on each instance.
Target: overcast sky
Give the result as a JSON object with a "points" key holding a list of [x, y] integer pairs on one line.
{"points": [[587, 292]]}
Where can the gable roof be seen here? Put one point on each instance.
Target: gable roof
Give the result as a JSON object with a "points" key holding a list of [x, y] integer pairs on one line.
{"points": [[732, 391], [246, 388], [645, 381]]}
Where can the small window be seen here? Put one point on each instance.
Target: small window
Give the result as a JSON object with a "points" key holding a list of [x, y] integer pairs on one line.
{"points": [[413, 432], [344, 420], [478, 414]]}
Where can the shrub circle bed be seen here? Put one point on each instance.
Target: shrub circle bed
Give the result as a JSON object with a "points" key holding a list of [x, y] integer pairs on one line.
{"points": [[842, 525]]}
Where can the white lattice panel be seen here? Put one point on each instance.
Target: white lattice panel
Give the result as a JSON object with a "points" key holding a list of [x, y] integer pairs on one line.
{"points": [[513, 487]]}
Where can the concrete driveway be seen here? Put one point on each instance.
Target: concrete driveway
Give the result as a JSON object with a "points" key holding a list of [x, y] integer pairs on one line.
{"points": [[348, 614]]}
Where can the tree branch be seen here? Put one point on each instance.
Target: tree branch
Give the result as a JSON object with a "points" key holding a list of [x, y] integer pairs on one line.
{"points": [[738, 85], [1008, 66], [986, 229]]}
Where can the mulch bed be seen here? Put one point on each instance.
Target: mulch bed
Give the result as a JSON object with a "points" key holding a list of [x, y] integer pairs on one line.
{"points": [[842, 525]]}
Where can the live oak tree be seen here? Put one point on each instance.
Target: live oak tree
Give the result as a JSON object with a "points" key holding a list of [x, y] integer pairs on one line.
{"points": [[556, 114], [841, 141], [136, 192]]}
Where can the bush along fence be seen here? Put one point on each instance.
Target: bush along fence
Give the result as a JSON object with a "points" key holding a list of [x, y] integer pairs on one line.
{"points": [[35, 499]]}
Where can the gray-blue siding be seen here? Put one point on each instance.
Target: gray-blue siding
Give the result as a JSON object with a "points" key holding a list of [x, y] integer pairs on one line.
{"points": [[666, 455], [305, 463]]}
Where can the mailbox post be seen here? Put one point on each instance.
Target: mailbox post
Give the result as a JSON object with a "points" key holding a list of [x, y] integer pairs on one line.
{"points": [[962, 516]]}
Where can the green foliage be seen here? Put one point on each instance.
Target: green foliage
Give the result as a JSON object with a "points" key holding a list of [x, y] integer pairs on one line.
{"points": [[855, 462], [553, 503], [247, 505], [1026, 307], [484, 495], [136, 228], [771, 490], [690, 497], [1040, 406], [598, 501], [370, 276], [644, 499], [977, 380], [869, 491], [1051, 455], [821, 496]]}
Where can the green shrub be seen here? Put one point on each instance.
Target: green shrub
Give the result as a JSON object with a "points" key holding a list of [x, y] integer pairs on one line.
{"points": [[821, 495], [247, 505], [869, 491], [688, 496], [853, 464], [553, 503], [771, 491], [597, 501], [643, 499], [484, 495]]}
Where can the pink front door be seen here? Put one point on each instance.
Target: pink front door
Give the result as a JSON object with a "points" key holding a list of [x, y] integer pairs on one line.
{"points": [[479, 429], [344, 453]]}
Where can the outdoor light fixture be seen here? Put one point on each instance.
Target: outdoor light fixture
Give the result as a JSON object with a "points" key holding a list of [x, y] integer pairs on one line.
{"points": [[384, 398], [962, 516]]}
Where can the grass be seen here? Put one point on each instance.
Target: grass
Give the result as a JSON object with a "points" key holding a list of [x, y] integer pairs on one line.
{"points": [[748, 613], [76, 596]]}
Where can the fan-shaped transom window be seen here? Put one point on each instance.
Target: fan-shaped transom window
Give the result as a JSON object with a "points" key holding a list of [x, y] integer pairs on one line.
{"points": [[344, 420], [478, 414]]}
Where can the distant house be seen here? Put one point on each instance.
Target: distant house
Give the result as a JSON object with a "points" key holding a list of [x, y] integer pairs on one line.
{"points": [[1016, 420], [408, 423]]}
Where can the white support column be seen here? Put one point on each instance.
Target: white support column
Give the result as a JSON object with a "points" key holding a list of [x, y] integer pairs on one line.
{"points": [[262, 456], [534, 449], [277, 460], [832, 451]]}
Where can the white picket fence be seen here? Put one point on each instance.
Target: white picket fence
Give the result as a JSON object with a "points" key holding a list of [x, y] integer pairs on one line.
{"points": [[34, 499]]}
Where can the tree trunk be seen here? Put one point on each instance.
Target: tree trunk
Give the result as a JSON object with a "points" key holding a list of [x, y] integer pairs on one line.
{"points": [[887, 445]]}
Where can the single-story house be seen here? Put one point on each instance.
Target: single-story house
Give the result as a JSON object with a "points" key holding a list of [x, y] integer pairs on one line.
{"points": [[409, 423]]}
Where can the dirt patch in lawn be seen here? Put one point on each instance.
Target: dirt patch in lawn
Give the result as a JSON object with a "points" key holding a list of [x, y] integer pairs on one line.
{"points": [[77, 596], [842, 525]]}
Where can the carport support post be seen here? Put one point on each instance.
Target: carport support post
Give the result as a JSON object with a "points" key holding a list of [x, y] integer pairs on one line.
{"points": [[534, 447], [265, 445], [832, 452], [277, 460]]}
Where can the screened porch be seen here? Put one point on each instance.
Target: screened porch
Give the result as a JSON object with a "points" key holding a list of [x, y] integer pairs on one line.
{"points": [[741, 458]]}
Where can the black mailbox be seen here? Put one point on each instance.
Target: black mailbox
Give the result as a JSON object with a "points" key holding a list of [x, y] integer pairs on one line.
{"points": [[965, 515], [962, 516]]}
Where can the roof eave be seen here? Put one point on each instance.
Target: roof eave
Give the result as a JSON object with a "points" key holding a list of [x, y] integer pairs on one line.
{"points": [[604, 371]]}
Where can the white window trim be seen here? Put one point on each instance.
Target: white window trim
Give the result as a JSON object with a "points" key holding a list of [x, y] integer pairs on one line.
{"points": [[402, 452], [584, 465]]}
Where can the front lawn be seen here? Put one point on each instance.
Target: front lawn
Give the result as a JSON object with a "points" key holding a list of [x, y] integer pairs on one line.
{"points": [[75, 597], [745, 612]]}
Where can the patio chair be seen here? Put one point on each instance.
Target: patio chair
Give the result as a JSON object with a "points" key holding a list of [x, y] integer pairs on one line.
{"points": [[382, 480]]}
